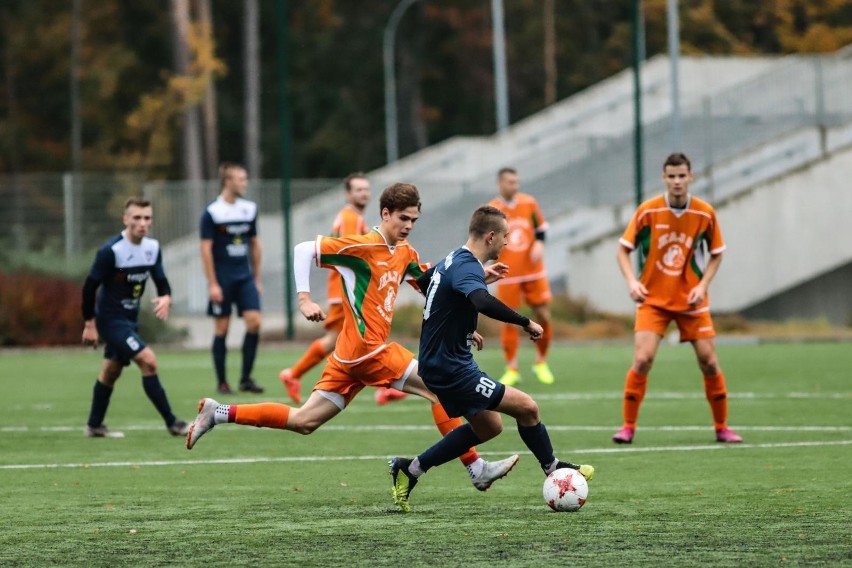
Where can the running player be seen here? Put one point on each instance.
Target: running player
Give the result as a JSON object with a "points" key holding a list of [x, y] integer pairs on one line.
{"points": [[456, 294], [524, 254], [372, 266], [230, 253], [674, 232], [349, 221]]}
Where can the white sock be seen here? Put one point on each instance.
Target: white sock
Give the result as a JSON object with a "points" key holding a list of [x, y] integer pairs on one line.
{"points": [[415, 469], [552, 467], [474, 470], [221, 414]]}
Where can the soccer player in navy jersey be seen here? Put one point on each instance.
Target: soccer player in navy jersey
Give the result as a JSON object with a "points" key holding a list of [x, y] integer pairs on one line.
{"points": [[230, 253], [455, 296], [121, 268]]}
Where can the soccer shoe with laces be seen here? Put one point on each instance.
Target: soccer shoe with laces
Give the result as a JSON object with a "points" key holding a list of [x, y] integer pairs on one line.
{"points": [[292, 385], [248, 385], [585, 470], [179, 428], [384, 396], [511, 377], [203, 423], [624, 436], [492, 471], [543, 373], [101, 432], [402, 482], [728, 436]]}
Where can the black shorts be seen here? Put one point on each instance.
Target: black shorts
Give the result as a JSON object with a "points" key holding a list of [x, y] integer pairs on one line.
{"points": [[242, 292], [467, 392], [122, 339]]}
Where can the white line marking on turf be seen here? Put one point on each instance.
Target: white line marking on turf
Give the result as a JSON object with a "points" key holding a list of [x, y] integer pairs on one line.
{"points": [[292, 459], [429, 427]]}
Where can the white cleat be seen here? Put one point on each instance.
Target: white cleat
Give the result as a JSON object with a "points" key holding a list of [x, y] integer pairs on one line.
{"points": [[203, 423], [492, 471]]}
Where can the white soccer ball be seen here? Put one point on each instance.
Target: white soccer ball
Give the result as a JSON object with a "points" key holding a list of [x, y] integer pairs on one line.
{"points": [[565, 490]]}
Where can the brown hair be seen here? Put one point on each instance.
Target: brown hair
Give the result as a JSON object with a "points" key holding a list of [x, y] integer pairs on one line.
{"points": [[137, 201], [225, 169], [347, 181], [677, 159], [502, 171], [484, 220], [399, 196]]}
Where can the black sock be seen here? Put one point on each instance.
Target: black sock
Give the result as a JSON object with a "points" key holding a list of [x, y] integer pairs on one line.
{"points": [[538, 441], [100, 402], [249, 352], [219, 353], [451, 446], [157, 394]]}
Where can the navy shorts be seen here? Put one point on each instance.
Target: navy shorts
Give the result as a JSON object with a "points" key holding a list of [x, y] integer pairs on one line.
{"points": [[122, 339], [466, 393], [242, 292]]}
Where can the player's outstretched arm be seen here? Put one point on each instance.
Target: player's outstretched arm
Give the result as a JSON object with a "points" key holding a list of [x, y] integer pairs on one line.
{"points": [[495, 272], [304, 254]]}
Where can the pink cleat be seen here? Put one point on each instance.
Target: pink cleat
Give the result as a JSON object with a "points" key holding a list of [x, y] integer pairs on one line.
{"points": [[728, 436], [624, 436], [384, 396], [292, 384]]}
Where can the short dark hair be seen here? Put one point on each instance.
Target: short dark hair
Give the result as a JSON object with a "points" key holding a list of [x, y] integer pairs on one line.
{"points": [[347, 181], [226, 167], [484, 220], [677, 159], [136, 200], [399, 196], [502, 171]]}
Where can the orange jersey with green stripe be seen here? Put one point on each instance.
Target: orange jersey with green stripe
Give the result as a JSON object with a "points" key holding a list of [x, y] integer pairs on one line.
{"points": [[673, 246], [525, 219], [371, 272], [348, 222]]}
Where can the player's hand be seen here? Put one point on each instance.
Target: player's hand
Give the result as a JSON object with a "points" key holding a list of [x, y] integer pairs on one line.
{"points": [[311, 310], [477, 340], [90, 334], [214, 291], [638, 292], [535, 330], [161, 306], [258, 283], [697, 294], [537, 251], [495, 272]]}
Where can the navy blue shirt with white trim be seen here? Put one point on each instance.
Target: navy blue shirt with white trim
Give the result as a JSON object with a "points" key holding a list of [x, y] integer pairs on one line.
{"points": [[122, 269], [230, 226], [449, 317]]}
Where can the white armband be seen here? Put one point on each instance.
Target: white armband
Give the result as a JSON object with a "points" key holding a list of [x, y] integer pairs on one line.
{"points": [[304, 254]]}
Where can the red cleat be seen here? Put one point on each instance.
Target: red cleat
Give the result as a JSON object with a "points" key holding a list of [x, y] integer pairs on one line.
{"points": [[384, 396], [624, 436], [292, 384], [728, 436]]}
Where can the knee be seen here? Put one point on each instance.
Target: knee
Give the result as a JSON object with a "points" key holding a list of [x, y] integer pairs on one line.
{"points": [[709, 365], [642, 362], [109, 377], [147, 365], [528, 413]]}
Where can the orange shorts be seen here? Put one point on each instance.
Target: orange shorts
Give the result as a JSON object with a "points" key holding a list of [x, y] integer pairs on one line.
{"points": [[535, 292], [334, 317], [692, 326], [345, 380]]}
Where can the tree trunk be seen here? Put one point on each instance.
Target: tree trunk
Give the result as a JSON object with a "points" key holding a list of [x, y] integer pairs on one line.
{"points": [[549, 22], [211, 123], [251, 88], [191, 140]]}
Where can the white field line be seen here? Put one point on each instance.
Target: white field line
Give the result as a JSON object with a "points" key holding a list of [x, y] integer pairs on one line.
{"points": [[227, 461], [429, 427]]}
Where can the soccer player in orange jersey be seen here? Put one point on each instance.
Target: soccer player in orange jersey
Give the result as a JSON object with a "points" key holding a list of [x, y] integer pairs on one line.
{"points": [[524, 254], [372, 267], [349, 221], [680, 250]]}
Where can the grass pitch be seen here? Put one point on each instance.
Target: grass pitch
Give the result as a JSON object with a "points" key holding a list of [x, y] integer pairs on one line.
{"points": [[269, 498]]}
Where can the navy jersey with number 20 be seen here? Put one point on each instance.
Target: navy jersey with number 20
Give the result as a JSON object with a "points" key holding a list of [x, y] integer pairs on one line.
{"points": [[449, 317]]}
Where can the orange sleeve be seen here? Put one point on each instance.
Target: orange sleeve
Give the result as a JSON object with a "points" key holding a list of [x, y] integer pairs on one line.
{"points": [[717, 244]]}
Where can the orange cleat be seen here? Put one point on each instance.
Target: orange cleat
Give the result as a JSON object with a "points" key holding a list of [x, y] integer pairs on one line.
{"points": [[384, 396], [292, 384]]}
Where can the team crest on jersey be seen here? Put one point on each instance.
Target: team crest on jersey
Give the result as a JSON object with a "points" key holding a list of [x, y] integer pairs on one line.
{"points": [[518, 238], [388, 277], [149, 256]]}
